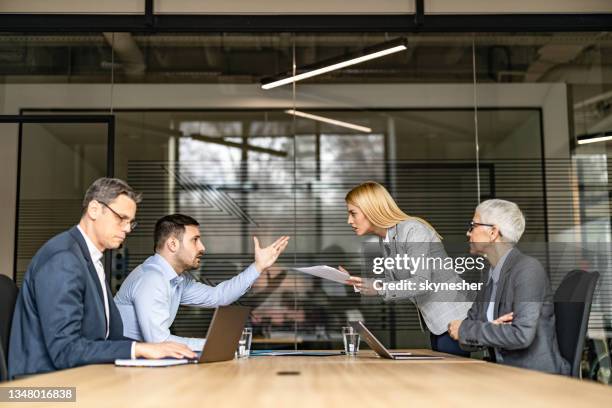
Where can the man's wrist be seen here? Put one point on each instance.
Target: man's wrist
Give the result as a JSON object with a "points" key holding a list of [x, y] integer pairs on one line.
{"points": [[133, 351], [260, 269]]}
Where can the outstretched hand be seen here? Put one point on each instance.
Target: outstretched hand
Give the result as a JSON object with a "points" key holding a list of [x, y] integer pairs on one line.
{"points": [[265, 257], [363, 285]]}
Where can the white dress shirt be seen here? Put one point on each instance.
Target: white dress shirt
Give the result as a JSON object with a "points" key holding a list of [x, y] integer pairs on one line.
{"points": [[96, 258]]}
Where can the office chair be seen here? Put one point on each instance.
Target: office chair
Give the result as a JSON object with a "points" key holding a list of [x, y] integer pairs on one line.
{"points": [[573, 300], [8, 297]]}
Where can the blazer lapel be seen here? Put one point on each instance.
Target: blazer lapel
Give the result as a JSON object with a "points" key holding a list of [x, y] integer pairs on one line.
{"points": [[115, 327], [482, 300], [389, 251], [503, 279], [76, 234]]}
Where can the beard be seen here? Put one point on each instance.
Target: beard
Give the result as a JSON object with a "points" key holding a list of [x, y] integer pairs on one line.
{"points": [[193, 263]]}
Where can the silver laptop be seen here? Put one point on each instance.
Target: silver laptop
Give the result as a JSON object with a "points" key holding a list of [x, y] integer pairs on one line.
{"points": [[382, 351], [221, 340], [224, 333]]}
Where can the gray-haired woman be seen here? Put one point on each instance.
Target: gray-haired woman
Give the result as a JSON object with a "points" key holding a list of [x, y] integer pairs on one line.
{"points": [[514, 314]]}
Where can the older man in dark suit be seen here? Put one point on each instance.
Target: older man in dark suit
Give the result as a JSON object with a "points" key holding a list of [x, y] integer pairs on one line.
{"points": [[514, 314], [65, 315]]}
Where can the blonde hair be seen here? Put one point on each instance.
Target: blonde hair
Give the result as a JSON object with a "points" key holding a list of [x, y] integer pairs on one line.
{"points": [[379, 207]]}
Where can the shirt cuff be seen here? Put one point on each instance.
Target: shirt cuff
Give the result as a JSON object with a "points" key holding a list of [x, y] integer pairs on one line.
{"points": [[133, 352], [252, 272]]}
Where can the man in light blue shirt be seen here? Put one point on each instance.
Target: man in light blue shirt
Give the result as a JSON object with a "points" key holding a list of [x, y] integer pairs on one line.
{"points": [[149, 298]]}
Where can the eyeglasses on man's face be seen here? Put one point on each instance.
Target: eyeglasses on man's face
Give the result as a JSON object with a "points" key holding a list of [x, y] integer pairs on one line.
{"points": [[473, 224], [123, 219]]}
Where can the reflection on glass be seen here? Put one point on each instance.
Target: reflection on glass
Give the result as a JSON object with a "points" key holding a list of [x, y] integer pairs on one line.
{"points": [[251, 168], [58, 163]]}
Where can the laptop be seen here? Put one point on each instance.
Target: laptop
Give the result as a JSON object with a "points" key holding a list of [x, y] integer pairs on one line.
{"points": [[382, 351], [221, 343], [224, 333]]}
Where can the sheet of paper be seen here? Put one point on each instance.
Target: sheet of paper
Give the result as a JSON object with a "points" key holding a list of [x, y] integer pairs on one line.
{"points": [[325, 272], [142, 362]]}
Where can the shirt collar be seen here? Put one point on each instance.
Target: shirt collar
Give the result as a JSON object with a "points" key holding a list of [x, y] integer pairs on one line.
{"points": [[94, 252], [391, 235], [167, 269], [495, 272]]}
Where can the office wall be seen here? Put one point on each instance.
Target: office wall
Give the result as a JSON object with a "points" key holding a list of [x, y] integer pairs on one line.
{"points": [[517, 6], [8, 191], [72, 6], [58, 163], [311, 7], [57, 153], [222, 96]]}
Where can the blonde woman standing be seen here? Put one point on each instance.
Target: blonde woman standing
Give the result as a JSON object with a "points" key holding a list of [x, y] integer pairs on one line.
{"points": [[372, 211]]}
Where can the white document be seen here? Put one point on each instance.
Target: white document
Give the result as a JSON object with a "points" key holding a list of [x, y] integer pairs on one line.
{"points": [[143, 362], [326, 272]]}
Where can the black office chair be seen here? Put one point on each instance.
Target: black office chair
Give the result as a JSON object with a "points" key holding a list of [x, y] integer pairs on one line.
{"points": [[8, 297], [573, 300]]}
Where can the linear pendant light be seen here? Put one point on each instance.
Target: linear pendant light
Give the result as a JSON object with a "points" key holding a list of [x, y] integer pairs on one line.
{"points": [[366, 54], [594, 138], [318, 118]]}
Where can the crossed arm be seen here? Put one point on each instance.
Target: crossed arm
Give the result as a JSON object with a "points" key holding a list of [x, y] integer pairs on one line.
{"points": [[513, 331]]}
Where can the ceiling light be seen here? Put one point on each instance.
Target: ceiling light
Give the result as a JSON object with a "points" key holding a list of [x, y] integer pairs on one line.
{"points": [[366, 54], [594, 138], [318, 118]]}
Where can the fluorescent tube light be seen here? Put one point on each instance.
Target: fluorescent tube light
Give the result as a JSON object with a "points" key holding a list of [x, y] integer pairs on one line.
{"points": [[363, 129], [601, 137], [332, 65]]}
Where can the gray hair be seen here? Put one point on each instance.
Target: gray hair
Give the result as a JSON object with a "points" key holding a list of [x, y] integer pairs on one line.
{"points": [[506, 215], [105, 190]]}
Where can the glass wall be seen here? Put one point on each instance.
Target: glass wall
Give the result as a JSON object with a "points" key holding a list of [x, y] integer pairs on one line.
{"points": [[58, 163], [448, 122], [575, 122]]}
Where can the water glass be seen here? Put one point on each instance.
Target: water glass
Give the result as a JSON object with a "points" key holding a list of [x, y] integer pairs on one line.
{"points": [[351, 341], [244, 344]]}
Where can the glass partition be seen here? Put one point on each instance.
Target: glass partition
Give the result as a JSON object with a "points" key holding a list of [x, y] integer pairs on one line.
{"points": [[58, 162], [233, 172], [453, 119], [567, 76]]}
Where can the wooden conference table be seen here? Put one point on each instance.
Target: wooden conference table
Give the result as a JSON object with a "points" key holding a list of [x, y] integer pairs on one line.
{"points": [[339, 381]]}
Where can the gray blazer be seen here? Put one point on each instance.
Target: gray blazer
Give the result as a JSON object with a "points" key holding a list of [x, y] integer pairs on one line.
{"points": [[530, 341], [416, 239]]}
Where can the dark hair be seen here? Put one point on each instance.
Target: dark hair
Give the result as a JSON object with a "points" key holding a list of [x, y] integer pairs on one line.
{"points": [[105, 190], [169, 225]]}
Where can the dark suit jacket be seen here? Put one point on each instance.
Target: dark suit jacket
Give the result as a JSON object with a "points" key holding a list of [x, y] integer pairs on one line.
{"points": [[59, 319], [530, 341]]}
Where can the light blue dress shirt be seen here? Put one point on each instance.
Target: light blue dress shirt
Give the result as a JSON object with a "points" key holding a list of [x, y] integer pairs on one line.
{"points": [[149, 298]]}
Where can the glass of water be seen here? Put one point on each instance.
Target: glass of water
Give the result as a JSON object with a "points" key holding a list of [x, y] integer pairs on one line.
{"points": [[351, 341], [244, 344]]}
